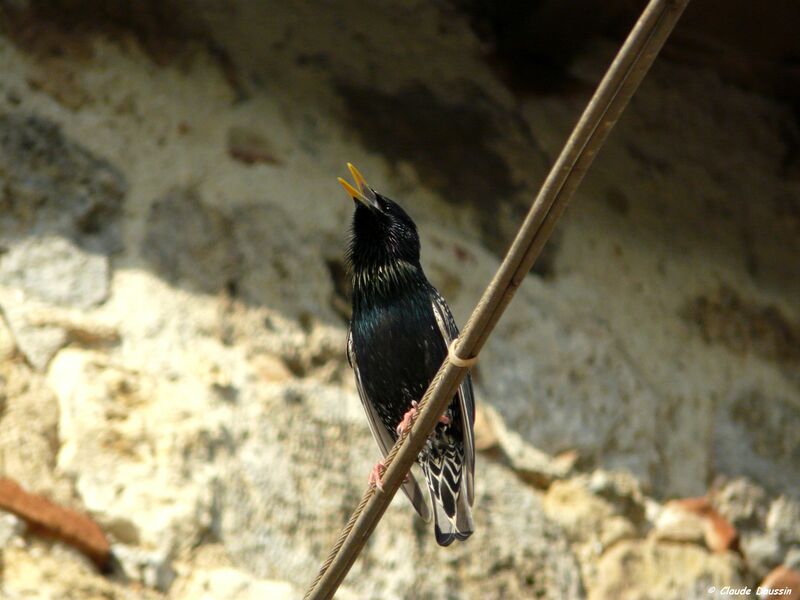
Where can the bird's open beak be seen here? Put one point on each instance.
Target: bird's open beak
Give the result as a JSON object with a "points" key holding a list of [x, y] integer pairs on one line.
{"points": [[362, 192]]}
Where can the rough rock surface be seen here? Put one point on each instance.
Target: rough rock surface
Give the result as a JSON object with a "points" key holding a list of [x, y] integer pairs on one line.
{"points": [[174, 303], [226, 583], [61, 207], [639, 570]]}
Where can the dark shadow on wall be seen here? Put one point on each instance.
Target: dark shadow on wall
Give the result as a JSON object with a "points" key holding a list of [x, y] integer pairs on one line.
{"points": [[53, 187]]}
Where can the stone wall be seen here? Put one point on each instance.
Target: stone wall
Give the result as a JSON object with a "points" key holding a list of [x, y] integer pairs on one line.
{"points": [[174, 304]]}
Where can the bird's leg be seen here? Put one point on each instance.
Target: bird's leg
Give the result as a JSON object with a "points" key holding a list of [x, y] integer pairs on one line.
{"points": [[405, 424], [377, 473]]}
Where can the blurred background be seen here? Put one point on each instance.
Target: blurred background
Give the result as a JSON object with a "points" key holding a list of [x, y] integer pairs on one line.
{"points": [[175, 299]]}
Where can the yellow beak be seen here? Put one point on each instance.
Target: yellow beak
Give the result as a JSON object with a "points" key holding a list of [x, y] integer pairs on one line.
{"points": [[362, 192]]}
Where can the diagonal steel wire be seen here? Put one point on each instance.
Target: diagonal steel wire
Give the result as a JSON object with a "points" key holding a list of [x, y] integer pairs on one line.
{"points": [[601, 114]]}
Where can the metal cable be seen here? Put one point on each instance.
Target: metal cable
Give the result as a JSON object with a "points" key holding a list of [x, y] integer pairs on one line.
{"points": [[615, 90]]}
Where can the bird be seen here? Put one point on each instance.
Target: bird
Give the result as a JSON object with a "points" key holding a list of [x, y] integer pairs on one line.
{"points": [[399, 335]]}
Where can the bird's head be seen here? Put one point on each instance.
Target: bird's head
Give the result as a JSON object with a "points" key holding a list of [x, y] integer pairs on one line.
{"points": [[383, 233]]}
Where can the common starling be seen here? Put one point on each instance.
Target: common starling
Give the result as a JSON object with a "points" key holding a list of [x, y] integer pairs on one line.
{"points": [[399, 336]]}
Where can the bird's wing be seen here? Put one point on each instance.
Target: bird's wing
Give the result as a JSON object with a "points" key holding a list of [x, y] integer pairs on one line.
{"points": [[384, 438], [449, 330]]}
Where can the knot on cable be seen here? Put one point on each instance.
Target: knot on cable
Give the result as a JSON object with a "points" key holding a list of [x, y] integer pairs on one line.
{"points": [[464, 363]]}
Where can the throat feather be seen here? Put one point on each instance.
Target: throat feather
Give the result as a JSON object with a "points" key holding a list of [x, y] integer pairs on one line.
{"points": [[386, 279]]}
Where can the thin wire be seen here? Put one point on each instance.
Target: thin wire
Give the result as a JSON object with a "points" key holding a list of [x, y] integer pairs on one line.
{"points": [[615, 90]]}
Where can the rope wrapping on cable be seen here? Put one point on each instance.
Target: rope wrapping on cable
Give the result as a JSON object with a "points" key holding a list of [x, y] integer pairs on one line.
{"points": [[454, 358], [615, 90]]}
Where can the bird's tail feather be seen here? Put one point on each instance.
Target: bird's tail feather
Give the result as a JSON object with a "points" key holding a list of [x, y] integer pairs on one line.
{"points": [[414, 493], [451, 508], [447, 529]]}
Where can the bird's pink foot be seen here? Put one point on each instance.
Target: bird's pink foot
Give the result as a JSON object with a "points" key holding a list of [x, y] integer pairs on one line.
{"points": [[405, 424], [376, 474]]}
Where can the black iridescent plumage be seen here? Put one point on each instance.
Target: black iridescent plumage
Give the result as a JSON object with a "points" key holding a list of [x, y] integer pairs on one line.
{"points": [[399, 334]]}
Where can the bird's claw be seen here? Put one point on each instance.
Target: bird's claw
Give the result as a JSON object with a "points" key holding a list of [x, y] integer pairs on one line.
{"points": [[376, 475], [405, 424]]}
